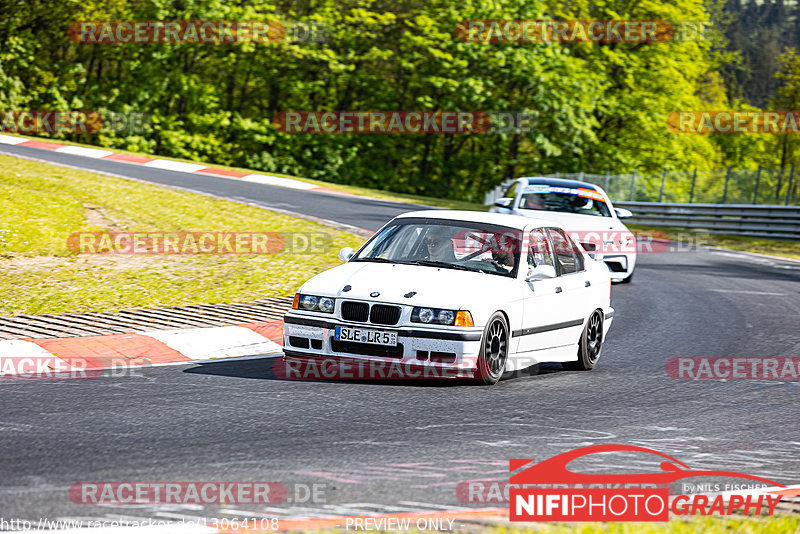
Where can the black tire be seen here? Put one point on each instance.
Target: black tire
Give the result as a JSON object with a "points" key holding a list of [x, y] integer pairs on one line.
{"points": [[590, 345], [627, 280], [494, 350]]}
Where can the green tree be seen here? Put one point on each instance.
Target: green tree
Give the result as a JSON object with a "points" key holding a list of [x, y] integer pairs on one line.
{"points": [[787, 98]]}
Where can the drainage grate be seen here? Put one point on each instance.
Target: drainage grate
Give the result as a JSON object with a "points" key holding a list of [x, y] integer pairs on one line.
{"points": [[96, 324]]}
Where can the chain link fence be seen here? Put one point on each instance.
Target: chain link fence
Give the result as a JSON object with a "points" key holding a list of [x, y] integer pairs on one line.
{"points": [[757, 186]]}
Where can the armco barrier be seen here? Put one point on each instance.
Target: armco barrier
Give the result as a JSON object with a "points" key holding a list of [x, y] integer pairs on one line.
{"points": [[776, 222]]}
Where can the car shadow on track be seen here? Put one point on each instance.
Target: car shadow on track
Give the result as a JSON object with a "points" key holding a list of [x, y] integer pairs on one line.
{"points": [[269, 369]]}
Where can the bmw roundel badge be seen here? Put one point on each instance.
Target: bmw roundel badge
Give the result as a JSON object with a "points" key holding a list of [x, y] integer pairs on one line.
{"points": [[374, 294]]}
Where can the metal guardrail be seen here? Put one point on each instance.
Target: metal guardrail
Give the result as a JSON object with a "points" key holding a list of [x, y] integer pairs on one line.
{"points": [[776, 222]]}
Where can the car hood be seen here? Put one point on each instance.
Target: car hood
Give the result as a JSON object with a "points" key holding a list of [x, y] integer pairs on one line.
{"points": [[575, 222], [409, 285]]}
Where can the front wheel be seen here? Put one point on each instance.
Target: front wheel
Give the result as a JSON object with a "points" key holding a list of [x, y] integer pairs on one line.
{"points": [[494, 350], [590, 344]]}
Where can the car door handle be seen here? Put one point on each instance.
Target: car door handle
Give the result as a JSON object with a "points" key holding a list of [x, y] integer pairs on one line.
{"points": [[558, 289], [587, 284]]}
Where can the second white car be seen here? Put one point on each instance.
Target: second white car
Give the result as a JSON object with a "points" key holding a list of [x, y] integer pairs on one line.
{"points": [[581, 208]]}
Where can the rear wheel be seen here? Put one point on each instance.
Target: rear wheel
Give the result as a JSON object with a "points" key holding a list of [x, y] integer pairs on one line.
{"points": [[590, 344], [494, 350]]}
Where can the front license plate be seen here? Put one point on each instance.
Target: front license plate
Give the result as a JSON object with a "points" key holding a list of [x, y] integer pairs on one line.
{"points": [[360, 335]]}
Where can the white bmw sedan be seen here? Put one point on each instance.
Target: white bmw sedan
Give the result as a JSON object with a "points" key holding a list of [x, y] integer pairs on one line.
{"points": [[479, 294], [584, 211]]}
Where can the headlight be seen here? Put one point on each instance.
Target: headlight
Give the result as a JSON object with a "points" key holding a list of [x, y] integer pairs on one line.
{"points": [[309, 302], [325, 305], [313, 303], [433, 315], [425, 315], [447, 317]]}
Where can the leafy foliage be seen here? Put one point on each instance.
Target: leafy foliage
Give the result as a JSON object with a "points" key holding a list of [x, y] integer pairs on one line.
{"points": [[597, 107]]}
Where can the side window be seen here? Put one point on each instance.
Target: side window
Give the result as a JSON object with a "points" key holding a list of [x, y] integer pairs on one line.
{"points": [[540, 252], [511, 192], [568, 255]]}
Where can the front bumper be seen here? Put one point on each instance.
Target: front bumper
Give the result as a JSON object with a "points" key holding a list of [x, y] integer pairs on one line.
{"points": [[620, 266], [453, 348]]}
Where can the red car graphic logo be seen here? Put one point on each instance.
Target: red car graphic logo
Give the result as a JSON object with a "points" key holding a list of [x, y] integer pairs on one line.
{"points": [[554, 470]]}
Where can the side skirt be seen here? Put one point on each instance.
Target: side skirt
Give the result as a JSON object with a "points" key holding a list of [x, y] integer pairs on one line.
{"points": [[521, 360]]}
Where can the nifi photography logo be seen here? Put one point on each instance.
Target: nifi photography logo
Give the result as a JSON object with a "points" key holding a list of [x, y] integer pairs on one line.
{"points": [[572, 496]]}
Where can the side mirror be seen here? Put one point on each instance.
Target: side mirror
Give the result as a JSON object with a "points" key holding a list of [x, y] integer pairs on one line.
{"points": [[622, 213], [504, 202], [540, 272], [346, 253]]}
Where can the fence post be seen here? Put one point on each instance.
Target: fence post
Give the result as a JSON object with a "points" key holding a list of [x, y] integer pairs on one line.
{"points": [[725, 191], [633, 186], [663, 179], [755, 191], [789, 185], [580, 176], [605, 186], [691, 192]]}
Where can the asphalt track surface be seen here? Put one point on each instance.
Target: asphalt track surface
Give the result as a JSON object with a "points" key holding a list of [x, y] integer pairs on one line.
{"points": [[394, 446]]}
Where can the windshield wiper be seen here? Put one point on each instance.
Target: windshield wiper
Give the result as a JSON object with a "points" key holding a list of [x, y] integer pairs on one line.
{"points": [[430, 263], [381, 260]]}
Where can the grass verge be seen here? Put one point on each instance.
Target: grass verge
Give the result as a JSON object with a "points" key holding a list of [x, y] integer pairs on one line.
{"points": [[43, 204], [772, 247]]}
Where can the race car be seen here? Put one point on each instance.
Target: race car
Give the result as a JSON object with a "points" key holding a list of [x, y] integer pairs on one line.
{"points": [[480, 294], [581, 208]]}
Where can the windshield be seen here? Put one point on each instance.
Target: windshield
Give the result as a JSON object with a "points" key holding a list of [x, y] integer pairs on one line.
{"points": [[564, 199], [446, 244]]}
